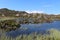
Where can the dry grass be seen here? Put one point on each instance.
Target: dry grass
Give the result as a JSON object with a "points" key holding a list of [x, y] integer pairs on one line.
{"points": [[54, 35]]}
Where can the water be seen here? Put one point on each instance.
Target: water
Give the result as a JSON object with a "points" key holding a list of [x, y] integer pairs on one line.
{"points": [[39, 28]]}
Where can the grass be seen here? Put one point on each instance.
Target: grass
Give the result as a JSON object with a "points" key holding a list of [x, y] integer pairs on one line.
{"points": [[6, 18], [54, 35]]}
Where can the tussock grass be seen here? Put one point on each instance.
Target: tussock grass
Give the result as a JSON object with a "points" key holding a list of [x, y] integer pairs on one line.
{"points": [[54, 35]]}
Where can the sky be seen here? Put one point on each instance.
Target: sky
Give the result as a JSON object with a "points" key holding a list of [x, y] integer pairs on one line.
{"points": [[43, 6]]}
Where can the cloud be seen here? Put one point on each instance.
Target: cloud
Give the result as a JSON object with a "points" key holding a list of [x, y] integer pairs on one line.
{"points": [[35, 11]]}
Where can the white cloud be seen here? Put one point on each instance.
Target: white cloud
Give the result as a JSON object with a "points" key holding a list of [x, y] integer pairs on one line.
{"points": [[34, 11]]}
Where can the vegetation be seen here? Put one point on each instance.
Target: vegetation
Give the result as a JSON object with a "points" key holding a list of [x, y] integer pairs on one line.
{"points": [[9, 25], [7, 18], [53, 35], [11, 20], [28, 18]]}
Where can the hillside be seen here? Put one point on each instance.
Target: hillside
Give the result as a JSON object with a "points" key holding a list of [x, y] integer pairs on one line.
{"points": [[25, 17]]}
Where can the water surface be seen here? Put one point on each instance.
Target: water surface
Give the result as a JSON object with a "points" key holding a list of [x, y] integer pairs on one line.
{"points": [[39, 28]]}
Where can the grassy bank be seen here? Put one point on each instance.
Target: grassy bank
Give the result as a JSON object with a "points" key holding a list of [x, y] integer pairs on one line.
{"points": [[9, 24], [6, 18]]}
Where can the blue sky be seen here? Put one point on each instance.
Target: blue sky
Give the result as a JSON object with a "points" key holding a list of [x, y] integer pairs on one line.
{"points": [[47, 6]]}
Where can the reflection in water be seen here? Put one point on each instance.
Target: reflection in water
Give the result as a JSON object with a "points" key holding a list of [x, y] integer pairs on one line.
{"points": [[39, 28]]}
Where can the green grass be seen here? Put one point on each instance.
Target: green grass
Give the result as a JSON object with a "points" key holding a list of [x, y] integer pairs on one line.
{"points": [[7, 18]]}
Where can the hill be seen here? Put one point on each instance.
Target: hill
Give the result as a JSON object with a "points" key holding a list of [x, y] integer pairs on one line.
{"points": [[25, 17]]}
